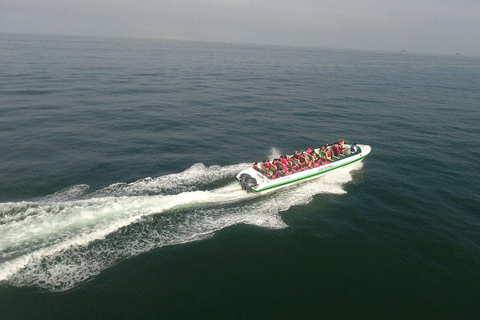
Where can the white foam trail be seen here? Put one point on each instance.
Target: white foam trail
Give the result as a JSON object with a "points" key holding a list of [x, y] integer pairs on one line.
{"points": [[56, 246], [93, 219], [198, 174], [70, 193]]}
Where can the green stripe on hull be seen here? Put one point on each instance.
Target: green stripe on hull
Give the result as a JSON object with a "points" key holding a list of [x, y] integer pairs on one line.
{"points": [[309, 176]]}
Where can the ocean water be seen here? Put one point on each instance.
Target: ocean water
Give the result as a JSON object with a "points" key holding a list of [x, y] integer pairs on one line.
{"points": [[118, 198]]}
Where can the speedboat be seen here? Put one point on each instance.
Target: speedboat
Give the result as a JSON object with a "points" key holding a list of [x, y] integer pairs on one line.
{"points": [[255, 178]]}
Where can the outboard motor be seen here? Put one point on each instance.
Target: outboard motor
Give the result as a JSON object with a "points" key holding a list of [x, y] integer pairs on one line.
{"points": [[247, 182], [242, 180]]}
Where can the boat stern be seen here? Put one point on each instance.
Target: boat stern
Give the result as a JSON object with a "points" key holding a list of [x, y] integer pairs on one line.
{"points": [[249, 178]]}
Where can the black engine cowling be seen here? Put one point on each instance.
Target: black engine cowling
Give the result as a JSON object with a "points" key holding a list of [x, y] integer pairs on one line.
{"points": [[247, 182]]}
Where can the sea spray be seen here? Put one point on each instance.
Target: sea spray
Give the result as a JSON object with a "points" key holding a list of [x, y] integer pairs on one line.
{"points": [[274, 153]]}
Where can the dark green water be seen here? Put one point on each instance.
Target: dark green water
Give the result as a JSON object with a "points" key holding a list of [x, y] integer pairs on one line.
{"points": [[118, 199]]}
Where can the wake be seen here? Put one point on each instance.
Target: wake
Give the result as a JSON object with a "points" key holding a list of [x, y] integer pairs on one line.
{"points": [[69, 237]]}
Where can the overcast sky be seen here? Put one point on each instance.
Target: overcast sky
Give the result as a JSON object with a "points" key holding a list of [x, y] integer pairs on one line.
{"points": [[430, 26]]}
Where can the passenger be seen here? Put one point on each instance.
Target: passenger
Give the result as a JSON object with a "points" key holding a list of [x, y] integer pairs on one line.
{"points": [[314, 158], [334, 149], [305, 160], [338, 151], [264, 171], [301, 160], [308, 157], [266, 164], [286, 169], [328, 155], [321, 152], [300, 167], [289, 164], [296, 161], [279, 166], [353, 148], [260, 168], [305, 165], [310, 164]]}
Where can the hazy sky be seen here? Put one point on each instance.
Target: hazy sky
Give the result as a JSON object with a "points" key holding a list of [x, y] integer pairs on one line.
{"points": [[433, 26]]}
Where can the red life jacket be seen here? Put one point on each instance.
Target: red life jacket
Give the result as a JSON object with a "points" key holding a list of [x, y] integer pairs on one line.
{"points": [[337, 149]]}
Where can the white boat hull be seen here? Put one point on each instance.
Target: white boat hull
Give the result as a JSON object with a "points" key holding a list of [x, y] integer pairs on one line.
{"points": [[264, 184]]}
